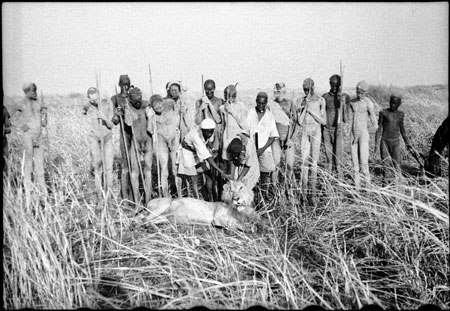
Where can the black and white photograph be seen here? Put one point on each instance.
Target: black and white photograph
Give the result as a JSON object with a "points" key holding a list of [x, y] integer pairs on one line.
{"points": [[225, 155]]}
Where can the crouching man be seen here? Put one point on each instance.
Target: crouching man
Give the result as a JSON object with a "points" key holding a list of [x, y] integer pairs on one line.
{"points": [[194, 155]]}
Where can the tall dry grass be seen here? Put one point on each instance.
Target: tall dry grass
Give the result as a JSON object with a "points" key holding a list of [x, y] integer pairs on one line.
{"points": [[374, 245]]}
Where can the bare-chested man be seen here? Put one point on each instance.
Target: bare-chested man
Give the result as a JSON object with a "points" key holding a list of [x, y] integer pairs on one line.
{"points": [[331, 132], [34, 118], [284, 112], [233, 114], [163, 122], [174, 92], [141, 145], [120, 103], [101, 145], [362, 109], [387, 137], [312, 115], [208, 107]]}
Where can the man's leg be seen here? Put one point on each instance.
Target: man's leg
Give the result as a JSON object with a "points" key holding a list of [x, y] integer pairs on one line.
{"points": [[134, 176], [338, 152], [396, 158], [194, 181], [364, 156], [97, 163], [163, 155], [27, 166], [355, 158], [109, 159], [328, 144], [305, 151], [385, 161], [148, 160], [315, 153], [39, 169], [276, 152], [124, 178]]}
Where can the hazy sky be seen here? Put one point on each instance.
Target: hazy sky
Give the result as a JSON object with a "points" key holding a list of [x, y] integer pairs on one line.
{"points": [[58, 45]]}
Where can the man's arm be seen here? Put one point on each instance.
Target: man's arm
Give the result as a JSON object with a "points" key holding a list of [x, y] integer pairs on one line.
{"points": [[372, 116], [243, 172], [303, 109], [267, 145], [403, 132], [379, 132], [198, 112], [214, 165], [14, 107], [319, 119], [346, 112]]}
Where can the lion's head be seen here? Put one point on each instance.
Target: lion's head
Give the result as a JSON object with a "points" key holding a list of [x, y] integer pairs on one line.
{"points": [[238, 194]]}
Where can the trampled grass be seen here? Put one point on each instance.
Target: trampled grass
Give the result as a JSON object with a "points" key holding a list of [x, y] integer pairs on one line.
{"points": [[374, 245]]}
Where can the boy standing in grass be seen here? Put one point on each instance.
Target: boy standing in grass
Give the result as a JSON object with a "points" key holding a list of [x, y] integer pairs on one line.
{"points": [[362, 109], [312, 115], [99, 113], [387, 137], [35, 117]]}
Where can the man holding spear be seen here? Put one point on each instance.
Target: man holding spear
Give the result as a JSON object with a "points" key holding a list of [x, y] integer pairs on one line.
{"points": [[207, 107], [99, 113], [337, 104], [119, 104]]}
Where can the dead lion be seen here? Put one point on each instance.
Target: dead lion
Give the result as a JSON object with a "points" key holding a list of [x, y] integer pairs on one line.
{"points": [[237, 215]]}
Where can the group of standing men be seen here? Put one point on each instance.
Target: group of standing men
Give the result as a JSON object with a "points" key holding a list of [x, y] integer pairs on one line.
{"points": [[225, 140]]}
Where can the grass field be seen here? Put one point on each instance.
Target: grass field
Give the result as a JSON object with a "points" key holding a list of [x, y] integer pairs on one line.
{"points": [[379, 245]]}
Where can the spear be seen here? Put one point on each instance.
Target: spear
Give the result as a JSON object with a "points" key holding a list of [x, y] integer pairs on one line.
{"points": [[123, 138]]}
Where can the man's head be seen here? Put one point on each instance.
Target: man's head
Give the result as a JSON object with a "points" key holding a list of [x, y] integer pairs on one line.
{"points": [[124, 82], [210, 87], [156, 102], [361, 89], [173, 90], [279, 90], [136, 97], [308, 86], [261, 101], [230, 92], [208, 126], [92, 94], [30, 90], [395, 101], [234, 149], [335, 84]]}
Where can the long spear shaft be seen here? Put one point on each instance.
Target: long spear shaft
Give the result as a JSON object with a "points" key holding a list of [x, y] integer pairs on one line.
{"points": [[124, 142]]}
